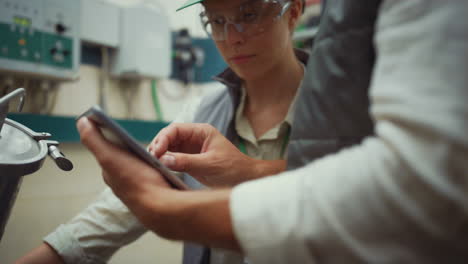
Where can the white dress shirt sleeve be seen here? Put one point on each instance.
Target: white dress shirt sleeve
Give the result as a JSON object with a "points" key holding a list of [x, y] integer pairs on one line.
{"points": [[402, 195], [95, 234]]}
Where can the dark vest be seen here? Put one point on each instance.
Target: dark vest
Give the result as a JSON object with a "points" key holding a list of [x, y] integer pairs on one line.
{"points": [[333, 106]]}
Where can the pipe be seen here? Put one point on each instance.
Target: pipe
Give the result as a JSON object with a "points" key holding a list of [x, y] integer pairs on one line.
{"points": [[4, 102]]}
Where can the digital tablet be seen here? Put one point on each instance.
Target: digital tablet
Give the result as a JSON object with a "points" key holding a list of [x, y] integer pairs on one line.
{"points": [[115, 134]]}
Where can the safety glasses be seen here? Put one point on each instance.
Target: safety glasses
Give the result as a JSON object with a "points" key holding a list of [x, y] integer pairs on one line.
{"points": [[251, 18]]}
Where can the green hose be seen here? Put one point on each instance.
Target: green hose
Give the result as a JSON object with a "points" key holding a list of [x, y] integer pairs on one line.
{"points": [[157, 106]]}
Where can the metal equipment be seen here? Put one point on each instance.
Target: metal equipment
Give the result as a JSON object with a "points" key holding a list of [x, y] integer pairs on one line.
{"points": [[187, 56], [22, 152]]}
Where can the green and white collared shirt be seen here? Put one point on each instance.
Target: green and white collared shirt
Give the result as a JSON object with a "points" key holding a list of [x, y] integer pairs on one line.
{"points": [[270, 145]]}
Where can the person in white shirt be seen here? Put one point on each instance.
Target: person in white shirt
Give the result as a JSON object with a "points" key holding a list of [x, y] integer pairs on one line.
{"points": [[401, 196]]}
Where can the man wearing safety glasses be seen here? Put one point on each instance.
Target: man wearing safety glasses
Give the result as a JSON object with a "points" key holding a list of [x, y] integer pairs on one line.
{"points": [[399, 196], [251, 18]]}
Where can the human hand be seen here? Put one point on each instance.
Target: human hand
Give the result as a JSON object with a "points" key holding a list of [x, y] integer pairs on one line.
{"points": [[172, 214], [203, 152], [123, 172]]}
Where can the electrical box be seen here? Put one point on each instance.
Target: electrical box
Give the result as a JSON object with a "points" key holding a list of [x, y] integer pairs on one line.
{"points": [[40, 37], [145, 43], [99, 23]]}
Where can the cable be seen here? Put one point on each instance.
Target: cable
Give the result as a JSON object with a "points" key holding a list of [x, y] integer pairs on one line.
{"points": [[4, 91], [7, 85], [53, 89], [174, 97], [45, 89], [127, 91], [103, 77], [156, 104], [37, 102]]}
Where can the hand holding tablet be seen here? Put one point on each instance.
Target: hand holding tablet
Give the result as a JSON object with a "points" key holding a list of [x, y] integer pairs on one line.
{"points": [[115, 134]]}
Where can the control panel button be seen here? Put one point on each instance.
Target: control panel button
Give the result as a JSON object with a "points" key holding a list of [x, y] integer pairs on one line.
{"points": [[58, 45], [21, 42], [24, 52], [60, 28], [4, 50], [37, 55], [58, 57]]}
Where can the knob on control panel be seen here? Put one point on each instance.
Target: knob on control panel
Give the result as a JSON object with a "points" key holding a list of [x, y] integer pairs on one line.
{"points": [[60, 28]]}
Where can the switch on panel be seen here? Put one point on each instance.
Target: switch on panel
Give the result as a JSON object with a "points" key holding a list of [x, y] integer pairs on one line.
{"points": [[60, 28]]}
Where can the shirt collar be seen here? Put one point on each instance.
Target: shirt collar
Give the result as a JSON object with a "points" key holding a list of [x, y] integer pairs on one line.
{"points": [[244, 129]]}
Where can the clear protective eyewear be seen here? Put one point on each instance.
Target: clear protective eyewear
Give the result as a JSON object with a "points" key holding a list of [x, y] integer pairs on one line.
{"points": [[252, 18]]}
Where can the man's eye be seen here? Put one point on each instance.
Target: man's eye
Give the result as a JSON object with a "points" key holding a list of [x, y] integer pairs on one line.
{"points": [[249, 16], [218, 21]]}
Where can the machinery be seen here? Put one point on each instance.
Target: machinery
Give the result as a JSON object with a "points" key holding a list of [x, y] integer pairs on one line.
{"points": [[187, 56], [40, 38], [23, 152]]}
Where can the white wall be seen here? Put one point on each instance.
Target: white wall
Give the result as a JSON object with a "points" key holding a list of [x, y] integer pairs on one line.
{"points": [[51, 197]]}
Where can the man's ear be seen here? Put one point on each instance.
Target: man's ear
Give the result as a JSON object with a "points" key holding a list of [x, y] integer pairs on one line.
{"points": [[295, 12]]}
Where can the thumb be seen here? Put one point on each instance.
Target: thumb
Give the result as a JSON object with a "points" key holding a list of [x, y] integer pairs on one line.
{"points": [[91, 137], [182, 162]]}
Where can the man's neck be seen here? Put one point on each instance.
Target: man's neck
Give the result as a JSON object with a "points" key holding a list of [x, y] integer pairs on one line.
{"points": [[278, 89], [269, 99]]}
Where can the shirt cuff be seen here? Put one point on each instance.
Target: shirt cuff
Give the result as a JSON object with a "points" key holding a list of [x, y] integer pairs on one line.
{"points": [[67, 246], [261, 227]]}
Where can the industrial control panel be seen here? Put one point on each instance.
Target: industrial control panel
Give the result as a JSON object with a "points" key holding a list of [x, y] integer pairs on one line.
{"points": [[40, 37]]}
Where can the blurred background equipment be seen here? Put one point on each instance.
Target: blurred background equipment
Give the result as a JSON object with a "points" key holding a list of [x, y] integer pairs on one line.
{"points": [[22, 152], [43, 42], [187, 56], [40, 38], [144, 49]]}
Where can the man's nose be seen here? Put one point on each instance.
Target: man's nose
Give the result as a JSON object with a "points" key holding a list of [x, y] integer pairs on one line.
{"points": [[234, 33]]}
